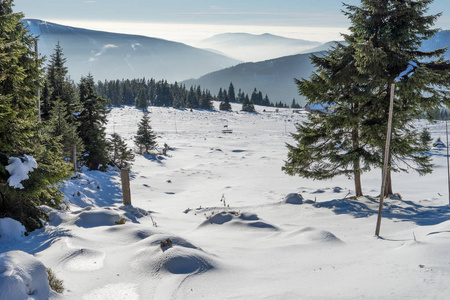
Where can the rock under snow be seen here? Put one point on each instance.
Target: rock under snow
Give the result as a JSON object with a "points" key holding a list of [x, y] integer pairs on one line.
{"points": [[11, 230], [22, 277]]}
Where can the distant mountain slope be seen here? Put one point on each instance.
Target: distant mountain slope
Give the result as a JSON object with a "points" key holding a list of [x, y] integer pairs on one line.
{"points": [[114, 56], [251, 47], [438, 41], [324, 47], [273, 77]]}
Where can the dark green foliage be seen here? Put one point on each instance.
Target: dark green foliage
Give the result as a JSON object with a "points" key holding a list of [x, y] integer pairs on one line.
{"points": [[356, 79], [240, 97], [145, 140], [20, 129], [247, 105], [425, 138], [206, 101], [58, 87], [224, 100], [231, 93], [91, 129], [257, 97], [120, 155], [295, 104], [161, 93], [225, 105], [141, 99], [61, 127]]}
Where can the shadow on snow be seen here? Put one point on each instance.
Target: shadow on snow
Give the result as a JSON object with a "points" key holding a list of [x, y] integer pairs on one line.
{"points": [[394, 209]]}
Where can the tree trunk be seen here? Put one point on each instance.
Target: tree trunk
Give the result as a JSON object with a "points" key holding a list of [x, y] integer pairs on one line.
{"points": [[357, 164], [358, 187], [388, 188]]}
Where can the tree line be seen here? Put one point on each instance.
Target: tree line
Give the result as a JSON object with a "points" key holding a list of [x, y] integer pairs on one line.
{"points": [[149, 92]]}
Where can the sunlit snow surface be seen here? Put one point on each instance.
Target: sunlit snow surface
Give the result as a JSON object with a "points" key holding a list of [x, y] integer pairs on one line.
{"points": [[240, 228]]}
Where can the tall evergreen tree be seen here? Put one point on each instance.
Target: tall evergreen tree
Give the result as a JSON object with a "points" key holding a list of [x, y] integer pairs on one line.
{"points": [[58, 86], [19, 129], [225, 101], [386, 36], [329, 144], [145, 140], [60, 126], [355, 80], [207, 101], [92, 120], [231, 93], [141, 99]]}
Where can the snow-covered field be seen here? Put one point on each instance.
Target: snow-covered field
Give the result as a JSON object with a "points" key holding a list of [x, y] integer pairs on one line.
{"points": [[262, 242]]}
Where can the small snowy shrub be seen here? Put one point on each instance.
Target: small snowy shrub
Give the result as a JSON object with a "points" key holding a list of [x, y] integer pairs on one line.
{"points": [[55, 284]]}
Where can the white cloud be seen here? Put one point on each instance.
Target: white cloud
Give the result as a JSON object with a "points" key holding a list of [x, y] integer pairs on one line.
{"points": [[104, 48]]}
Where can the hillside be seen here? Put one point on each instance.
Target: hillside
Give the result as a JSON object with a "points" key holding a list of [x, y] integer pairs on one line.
{"points": [[253, 47], [273, 77], [114, 56]]}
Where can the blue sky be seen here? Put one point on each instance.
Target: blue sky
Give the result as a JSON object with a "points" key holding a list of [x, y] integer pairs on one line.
{"points": [[196, 19]]}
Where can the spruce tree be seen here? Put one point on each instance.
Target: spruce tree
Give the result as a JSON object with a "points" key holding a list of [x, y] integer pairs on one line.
{"points": [[141, 99], [120, 155], [58, 86], [207, 101], [355, 80], [425, 138], [247, 105], [145, 140], [231, 93], [225, 101], [60, 126], [91, 129], [20, 131], [329, 144], [386, 36]]}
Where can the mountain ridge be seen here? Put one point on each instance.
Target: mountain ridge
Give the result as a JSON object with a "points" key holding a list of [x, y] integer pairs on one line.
{"points": [[107, 54], [256, 47]]}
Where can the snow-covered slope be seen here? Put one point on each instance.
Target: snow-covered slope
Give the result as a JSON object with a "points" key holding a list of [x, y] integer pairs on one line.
{"points": [[240, 228]]}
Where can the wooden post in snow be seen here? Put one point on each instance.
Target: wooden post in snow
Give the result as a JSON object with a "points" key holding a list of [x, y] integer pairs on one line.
{"points": [[74, 158], [126, 192], [448, 163], [386, 160]]}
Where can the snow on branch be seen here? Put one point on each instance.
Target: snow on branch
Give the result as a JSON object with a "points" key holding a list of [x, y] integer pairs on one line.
{"points": [[19, 168]]}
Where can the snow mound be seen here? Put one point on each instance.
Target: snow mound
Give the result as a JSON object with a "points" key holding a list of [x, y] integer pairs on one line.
{"points": [[180, 258], [11, 230], [183, 261], [293, 198], [22, 277], [133, 213], [244, 220], [313, 235], [114, 291], [95, 217], [84, 260]]}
